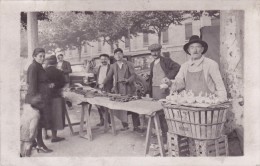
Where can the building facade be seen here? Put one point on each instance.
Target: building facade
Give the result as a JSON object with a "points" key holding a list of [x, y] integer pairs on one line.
{"points": [[172, 41]]}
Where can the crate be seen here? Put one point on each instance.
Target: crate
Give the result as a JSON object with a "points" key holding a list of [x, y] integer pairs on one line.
{"points": [[188, 147], [199, 123]]}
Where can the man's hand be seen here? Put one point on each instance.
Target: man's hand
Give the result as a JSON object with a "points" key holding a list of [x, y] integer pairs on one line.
{"points": [[101, 86], [51, 85], [167, 81]]}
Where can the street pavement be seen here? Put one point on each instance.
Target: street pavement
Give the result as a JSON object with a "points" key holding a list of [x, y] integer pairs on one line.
{"points": [[125, 143]]}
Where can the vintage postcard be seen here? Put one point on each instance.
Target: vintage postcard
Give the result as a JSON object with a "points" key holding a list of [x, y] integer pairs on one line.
{"points": [[130, 82]]}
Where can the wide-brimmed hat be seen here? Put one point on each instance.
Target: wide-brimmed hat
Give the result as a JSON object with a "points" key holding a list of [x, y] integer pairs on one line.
{"points": [[155, 47], [195, 39]]}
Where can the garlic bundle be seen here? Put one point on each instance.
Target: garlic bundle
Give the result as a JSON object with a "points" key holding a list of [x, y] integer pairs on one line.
{"points": [[189, 98]]}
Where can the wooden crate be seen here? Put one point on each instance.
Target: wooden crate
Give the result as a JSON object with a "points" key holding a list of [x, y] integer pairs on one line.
{"points": [[184, 146], [198, 123], [178, 145]]}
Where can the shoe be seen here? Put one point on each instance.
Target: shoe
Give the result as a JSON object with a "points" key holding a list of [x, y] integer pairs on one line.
{"points": [[57, 139], [43, 149], [100, 124], [124, 129], [46, 137], [138, 130], [34, 144]]}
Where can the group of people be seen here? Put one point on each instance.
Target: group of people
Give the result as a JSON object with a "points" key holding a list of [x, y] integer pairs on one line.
{"points": [[45, 78], [199, 74]]}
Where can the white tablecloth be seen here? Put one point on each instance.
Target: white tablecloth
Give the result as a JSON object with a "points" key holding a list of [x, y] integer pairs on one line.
{"points": [[139, 106]]}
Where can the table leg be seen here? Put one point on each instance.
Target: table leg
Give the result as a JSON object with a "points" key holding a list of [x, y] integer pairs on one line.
{"points": [[69, 123], [82, 121], [112, 121], [159, 137], [89, 132], [105, 120], [148, 135]]}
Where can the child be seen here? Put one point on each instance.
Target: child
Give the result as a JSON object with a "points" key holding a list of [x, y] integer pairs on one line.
{"points": [[29, 125]]}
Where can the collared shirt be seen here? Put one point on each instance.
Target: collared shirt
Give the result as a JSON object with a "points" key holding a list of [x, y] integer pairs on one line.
{"points": [[102, 74], [195, 65], [59, 65], [120, 64], [211, 73], [156, 61]]}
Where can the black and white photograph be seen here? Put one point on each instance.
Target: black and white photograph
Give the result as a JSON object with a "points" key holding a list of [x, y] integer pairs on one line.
{"points": [[152, 84]]}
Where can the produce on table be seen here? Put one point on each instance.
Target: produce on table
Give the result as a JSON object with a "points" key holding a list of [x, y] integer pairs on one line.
{"points": [[120, 98], [188, 97]]}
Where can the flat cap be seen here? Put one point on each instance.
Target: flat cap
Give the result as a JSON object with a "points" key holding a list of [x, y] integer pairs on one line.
{"points": [[155, 47]]}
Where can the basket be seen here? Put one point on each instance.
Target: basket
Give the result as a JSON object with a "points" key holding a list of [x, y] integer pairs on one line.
{"points": [[188, 147], [198, 123]]}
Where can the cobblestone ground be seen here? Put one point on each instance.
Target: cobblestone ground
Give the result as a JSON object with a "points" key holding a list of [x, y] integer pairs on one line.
{"points": [[125, 143]]}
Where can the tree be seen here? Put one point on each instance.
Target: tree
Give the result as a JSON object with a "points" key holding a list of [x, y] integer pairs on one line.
{"points": [[67, 30], [112, 27], [155, 21]]}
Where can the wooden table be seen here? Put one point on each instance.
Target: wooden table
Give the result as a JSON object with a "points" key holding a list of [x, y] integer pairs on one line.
{"points": [[142, 107]]}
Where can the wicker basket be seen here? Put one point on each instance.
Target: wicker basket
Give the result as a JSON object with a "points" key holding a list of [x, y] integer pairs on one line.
{"points": [[198, 123]]}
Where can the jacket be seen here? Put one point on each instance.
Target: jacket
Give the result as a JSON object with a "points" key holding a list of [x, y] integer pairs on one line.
{"points": [[169, 67], [37, 81], [129, 75], [66, 68], [57, 77], [109, 84]]}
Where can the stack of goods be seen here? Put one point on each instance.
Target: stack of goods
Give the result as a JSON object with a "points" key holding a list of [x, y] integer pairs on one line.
{"points": [[89, 93], [187, 98], [120, 98]]}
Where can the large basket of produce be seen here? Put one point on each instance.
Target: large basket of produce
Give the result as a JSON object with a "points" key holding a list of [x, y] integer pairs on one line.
{"points": [[195, 117]]}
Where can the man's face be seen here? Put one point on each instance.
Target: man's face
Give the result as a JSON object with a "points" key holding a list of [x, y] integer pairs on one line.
{"points": [[195, 51], [156, 54], [60, 58], [104, 60], [119, 56]]}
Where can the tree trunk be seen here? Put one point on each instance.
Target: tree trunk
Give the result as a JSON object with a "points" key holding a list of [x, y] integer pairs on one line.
{"points": [[159, 37], [79, 51], [231, 60], [117, 45], [111, 47]]}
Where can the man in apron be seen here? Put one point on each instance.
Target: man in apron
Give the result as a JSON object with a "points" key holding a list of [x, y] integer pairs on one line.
{"points": [[201, 75]]}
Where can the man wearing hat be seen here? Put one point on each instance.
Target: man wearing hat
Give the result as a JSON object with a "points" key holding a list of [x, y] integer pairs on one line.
{"points": [[199, 74], [162, 68], [124, 76]]}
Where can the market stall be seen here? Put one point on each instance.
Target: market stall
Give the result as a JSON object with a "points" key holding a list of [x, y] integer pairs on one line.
{"points": [[141, 106]]}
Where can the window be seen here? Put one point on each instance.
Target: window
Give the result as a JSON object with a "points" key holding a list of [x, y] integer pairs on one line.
{"points": [[99, 46], [188, 30], [145, 39], [165, 36], [127, 42]]}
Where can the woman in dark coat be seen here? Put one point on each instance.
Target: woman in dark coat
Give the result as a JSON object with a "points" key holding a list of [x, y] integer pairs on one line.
{"points": [[58, 107], [38, 84]]}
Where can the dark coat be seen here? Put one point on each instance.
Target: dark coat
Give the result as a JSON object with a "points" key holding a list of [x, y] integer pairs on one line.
{"points": [[169, 67], [66, 68], [129, 75], [37, 81], [57, 77], [58, 107], [109, 84]]}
